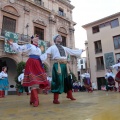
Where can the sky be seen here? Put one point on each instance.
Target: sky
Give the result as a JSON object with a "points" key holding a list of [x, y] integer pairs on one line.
{"points": [[87, 11]]}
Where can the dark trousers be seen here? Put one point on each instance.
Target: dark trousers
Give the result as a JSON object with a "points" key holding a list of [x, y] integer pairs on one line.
{"points": [[26, 89]]}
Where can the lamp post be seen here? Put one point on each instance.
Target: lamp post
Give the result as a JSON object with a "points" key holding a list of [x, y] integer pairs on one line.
{"points": [[27, 28]]}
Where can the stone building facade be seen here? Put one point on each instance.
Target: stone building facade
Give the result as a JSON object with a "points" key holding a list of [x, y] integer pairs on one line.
{"points": [[28, 17]]}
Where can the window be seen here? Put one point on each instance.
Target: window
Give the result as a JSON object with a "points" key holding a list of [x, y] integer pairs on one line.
{"points": [[104, 25], [8, 24], [95, 29], [100, 63], [81, 61], [39, 32], [61, 12], [63, 41], [114, 23], [116, 40], [98, 46], [82, 67], [39, 2]]}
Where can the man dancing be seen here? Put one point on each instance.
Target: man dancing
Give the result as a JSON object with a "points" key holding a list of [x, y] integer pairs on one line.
{"points": [[60, 72]]}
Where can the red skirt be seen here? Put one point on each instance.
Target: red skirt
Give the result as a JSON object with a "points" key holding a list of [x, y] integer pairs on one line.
{"points": [[35, 74], [117, 78]]}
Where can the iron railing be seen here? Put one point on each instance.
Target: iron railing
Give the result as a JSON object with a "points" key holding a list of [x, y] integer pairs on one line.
{"points": [[24, 38], [39, 2], [61, 14]]}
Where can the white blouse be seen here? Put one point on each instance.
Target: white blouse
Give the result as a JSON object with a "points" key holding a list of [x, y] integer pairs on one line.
{"points": [[21, 77], [87, 75], [3, 74], [53, 50], [116, 66], [29, 49], [108, 74]]}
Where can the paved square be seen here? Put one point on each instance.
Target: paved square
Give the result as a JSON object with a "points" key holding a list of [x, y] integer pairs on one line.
{"points": [[99, 105]]}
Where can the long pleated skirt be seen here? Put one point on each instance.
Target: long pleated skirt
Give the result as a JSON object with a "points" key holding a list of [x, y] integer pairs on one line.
{"points": [[35, 74]]}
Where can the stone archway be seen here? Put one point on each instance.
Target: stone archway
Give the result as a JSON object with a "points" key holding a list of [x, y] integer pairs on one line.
{"points": [[11, 65]]}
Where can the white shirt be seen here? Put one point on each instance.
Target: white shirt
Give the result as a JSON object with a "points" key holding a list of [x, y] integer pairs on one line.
{"points": [[53, 50], [87, 75], [116, 66], [3, 74], [82, 76], [21, 77], [108, 74], [79, 83], [29, 49]]}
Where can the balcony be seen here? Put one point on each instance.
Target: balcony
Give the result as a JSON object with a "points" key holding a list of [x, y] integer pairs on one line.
{"points": [[22, 39], [39, 2], [61, 14]]}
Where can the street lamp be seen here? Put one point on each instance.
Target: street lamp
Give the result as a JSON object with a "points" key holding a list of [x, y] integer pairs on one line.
{"points": [[27, 28]]}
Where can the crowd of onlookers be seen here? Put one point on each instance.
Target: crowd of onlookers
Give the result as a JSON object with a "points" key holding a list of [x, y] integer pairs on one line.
{"points": [[78, 86]]}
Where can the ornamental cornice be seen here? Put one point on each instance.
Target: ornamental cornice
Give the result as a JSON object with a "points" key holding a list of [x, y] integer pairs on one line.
{"points": [[66, 3]]}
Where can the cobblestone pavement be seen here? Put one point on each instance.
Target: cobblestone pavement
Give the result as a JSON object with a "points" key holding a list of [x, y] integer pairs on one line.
{"points": [[99, 105]]}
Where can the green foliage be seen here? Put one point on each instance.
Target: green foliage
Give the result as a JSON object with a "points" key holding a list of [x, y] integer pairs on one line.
{"points": [[20, 67], [45, 67], [74, 78]]}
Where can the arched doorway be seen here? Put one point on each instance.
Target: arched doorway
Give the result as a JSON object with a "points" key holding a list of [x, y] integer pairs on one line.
{"points": [[11, 65]]}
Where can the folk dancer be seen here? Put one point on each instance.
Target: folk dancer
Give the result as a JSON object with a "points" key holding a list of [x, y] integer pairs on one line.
{"points": [[34, 75], [110, 83], [4, 84], [87, 81], [20, 79], [117, 77], [60, 69]]}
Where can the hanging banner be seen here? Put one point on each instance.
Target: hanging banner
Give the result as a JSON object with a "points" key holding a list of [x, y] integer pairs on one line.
{"points": [[11, 37], [42, 45], [109, 59]]}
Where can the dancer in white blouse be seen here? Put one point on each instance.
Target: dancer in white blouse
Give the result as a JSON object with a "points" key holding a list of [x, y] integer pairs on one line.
{"points": [[20, 79], [110, 82], [34, 75], [4, 84], [117, 77]]}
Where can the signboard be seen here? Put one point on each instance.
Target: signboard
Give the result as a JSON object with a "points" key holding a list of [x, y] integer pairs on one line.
{"points": [[42, 45], [12, 37], [109, 59]]}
